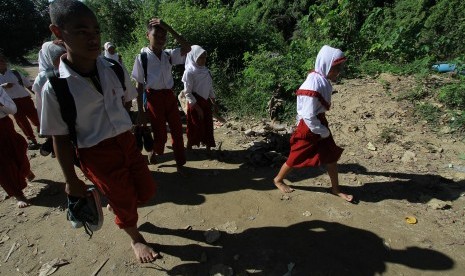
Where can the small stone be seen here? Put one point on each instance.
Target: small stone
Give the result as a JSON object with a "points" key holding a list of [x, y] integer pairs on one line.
{"points": [[249, 132], [437, 204], [371, 147], [409, 156], [221, 270], [307, 214]]}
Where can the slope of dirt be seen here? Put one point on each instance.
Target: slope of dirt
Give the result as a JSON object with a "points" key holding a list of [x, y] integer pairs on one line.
{"points": [[406, 170]]}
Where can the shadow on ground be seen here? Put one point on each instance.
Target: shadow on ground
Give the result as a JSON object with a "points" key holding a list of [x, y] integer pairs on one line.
{"points": [[315, 247]]}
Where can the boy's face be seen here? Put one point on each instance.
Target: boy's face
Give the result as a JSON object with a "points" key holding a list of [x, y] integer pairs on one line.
{"points": [[81, 36], [157, 38]]}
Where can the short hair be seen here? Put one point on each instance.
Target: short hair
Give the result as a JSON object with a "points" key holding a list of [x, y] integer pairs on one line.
{"points": [[151, 27], [62, 10]]}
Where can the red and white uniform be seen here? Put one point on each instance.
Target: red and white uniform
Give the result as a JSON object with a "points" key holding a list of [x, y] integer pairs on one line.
{"points": [[14, 164], [26, 109], [313, 100], [161, 101], [198, 88], [106, 148]]}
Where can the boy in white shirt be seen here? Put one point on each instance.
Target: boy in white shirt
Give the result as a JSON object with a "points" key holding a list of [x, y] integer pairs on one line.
{"points": [[158, 82], [14, 164], [15, 85], [105, 146]]}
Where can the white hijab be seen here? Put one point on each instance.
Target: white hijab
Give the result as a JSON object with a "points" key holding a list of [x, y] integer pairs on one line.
{"points": [[316, 80], [191, 66], [48, 54], [107, 54]]}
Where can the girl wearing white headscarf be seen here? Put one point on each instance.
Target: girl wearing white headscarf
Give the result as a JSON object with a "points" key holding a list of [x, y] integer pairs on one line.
{"points": [[49, 59], [198, 89], [110, 52], [312, 144]]}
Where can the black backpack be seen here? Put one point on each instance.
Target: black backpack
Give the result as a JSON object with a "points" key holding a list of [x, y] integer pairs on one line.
{"points": [[18, 76], [66, 100]]}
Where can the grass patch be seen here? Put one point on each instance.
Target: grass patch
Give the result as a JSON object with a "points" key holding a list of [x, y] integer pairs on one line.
{"points": [[388, 134], [428, 112]]}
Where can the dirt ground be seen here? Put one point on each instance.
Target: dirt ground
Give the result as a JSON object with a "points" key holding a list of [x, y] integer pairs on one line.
{"points": [[407, 170]]}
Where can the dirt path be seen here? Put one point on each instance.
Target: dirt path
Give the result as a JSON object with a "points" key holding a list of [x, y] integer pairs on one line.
{"points": [[262, 232]]}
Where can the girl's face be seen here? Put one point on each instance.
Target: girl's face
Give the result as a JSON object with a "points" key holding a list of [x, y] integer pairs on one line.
{"points": [[111, 50], [335, 71], [202, 59]]}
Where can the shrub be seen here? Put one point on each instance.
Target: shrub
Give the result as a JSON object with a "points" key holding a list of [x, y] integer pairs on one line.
{"points": [[453, 95]]}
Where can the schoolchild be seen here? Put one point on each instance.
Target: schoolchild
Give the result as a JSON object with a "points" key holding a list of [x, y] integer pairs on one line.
{"points": [[198, 88], [49, 59], [110, 52], [17, 87], [157, 82], [104, 144], [312, 143], [14, 164]]}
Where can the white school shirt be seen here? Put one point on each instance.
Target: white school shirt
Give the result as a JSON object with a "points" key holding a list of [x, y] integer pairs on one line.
{"points": [[37, 86], [159, 74], [99, 117], [200, 84], [309, 107], [17, 90], [9, 107]]}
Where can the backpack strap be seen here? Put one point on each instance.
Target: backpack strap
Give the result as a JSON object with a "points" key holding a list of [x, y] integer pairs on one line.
{"points": [[18, 76], [143, 58], [66, 102], [118, 69]]}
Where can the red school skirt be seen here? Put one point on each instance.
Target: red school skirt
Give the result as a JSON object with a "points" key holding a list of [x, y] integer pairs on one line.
{"points": [[308, 151], [14, 164]]}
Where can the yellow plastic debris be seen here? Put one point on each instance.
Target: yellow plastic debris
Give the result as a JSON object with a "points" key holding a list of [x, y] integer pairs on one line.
{"points": [[411, 220]]}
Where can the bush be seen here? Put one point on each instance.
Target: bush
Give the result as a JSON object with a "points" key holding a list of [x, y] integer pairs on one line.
{"points": [[23, 26], [453, 95]]}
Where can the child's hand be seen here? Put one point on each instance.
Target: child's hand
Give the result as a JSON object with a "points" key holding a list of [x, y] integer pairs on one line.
{"points": [[7, 85], [158, 22], [76, 187]]}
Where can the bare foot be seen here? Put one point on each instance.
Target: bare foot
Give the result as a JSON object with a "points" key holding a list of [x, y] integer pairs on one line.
{"points": [[152, 158], [30, 176], [144, 253], [346, 197], [22, 201], [110, 209], [282, 186]]}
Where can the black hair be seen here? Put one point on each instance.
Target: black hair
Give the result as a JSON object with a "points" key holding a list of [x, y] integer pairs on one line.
{"points": [[151, 27], [62, 10]]}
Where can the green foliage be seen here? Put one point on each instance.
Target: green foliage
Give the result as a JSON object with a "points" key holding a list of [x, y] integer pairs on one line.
{"points": [[453, 95], [23, 26], [428, 112], [116, 18], [444, 30]]}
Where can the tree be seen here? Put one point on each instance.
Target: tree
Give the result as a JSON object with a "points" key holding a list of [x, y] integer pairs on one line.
{"points": [[116, 18], [24, 26]]}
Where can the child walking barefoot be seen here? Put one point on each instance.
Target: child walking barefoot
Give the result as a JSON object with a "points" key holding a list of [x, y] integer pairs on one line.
{"points": [[312, 143], [198, 88], [106, 148]]}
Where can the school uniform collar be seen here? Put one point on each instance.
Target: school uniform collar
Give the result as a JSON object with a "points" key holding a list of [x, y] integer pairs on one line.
{"points": [[66, 71]]}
